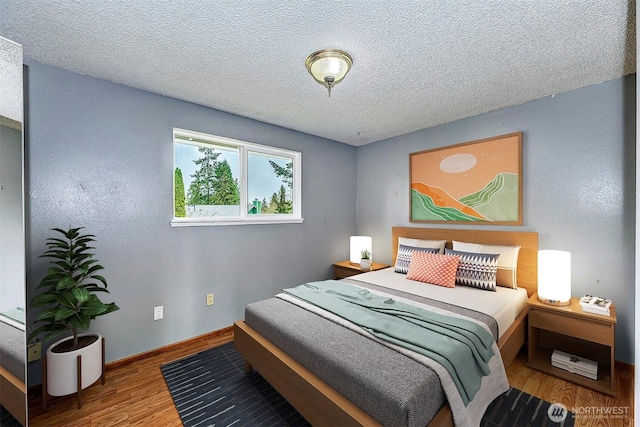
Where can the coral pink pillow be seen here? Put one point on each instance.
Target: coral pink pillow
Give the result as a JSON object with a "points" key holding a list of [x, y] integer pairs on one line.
{"points": [[433, 268]]}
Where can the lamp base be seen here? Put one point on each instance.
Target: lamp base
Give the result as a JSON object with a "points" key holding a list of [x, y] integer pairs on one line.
{"points": [[554, 301]]}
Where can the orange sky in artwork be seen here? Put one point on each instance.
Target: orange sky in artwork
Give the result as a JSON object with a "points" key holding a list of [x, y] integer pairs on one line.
{"points": [[491, 158]]}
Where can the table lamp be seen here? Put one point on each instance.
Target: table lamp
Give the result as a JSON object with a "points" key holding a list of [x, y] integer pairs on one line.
{"points": [[357, 245], [554, 277]]}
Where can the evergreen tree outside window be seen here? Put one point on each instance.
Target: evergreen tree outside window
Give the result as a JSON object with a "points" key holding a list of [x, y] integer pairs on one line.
{"points": [[221, 181], [202, 190], [226, 190], [270, 175], [179, 199]]}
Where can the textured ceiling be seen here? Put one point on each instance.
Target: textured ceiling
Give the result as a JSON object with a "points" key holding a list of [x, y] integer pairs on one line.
{"points": [[417, 64]]}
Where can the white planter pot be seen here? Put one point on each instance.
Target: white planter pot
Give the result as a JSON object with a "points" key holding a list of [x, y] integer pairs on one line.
{"points": [[62, 370], [365, 264]]}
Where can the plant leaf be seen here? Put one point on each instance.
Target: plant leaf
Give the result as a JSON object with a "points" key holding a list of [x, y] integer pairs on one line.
{"points": [[111, 307], [96, 288], [92, 312], [54, 334], [79, 258], [47, 315], [85, 266], [83, 240], [46, 328], [64, 313], [66, 283], [66, 299], [80, 294], [65, 265], [43, 299], [73, 233], [70, 284], [94, 268], [81, 321], [102, 279], [53, 253]]}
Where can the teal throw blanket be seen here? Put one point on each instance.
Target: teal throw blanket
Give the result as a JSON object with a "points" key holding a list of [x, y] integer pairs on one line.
{"points": [[462, 347]]}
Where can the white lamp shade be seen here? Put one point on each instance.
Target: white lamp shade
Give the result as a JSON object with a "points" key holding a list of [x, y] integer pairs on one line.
{"points": [[357, 245], [554, 277]]}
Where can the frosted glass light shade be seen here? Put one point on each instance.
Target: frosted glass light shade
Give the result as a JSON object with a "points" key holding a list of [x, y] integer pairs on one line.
{"points": [[357, 245], [329, 66], [554, 277]]}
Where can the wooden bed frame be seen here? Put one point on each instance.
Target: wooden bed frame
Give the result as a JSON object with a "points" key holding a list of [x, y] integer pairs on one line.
{"points": [[318, 403], [13, 395]]}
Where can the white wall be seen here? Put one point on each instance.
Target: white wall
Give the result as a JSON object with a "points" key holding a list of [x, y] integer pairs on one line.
{"points": [[11, 81], [12, 240], [12, 256]]}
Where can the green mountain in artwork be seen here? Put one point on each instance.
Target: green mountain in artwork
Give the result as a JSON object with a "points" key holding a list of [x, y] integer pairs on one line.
{"points": [[423, 208], [497, 201]]}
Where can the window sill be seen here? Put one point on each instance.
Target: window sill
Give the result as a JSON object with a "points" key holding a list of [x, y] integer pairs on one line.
{"points": [[199, 222]]}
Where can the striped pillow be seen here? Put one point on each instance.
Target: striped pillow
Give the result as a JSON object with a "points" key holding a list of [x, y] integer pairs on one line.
{"points": [[404, 256], [476, 270], [507, 262], [433, 268], [417, 243]]}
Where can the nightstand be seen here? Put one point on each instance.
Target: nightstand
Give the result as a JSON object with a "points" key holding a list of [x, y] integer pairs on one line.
{"points": [[345, 269], [569, 329]]}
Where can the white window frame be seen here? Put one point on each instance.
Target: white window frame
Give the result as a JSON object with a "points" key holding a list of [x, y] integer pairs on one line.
{"points": [[244, 149]]}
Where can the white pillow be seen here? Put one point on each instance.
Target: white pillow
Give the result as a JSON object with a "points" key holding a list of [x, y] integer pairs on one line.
{"points": [[417, 243], [507, 262]]}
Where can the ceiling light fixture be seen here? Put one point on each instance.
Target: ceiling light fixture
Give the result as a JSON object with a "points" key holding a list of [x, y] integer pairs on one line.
{"points": [[329, 66]]}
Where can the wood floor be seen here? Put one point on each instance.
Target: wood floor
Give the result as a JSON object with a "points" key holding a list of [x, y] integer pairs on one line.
{"points": [[581, 400], [135, 394]]}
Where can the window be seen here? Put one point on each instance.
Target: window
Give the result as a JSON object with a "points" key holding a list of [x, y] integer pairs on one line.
{"points": [[222, 181]]}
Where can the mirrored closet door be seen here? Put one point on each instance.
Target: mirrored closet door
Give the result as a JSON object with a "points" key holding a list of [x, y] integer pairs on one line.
{"points": [[12, 236]]}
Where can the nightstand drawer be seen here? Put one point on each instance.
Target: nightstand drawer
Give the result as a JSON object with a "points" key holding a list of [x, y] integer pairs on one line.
{"points": [[582, 328], [341, 273], [344, 269]]}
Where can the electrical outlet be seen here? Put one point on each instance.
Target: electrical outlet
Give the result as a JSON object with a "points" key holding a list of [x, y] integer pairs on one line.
{"points": [[209, 299], [157, 312], [34, 351]]}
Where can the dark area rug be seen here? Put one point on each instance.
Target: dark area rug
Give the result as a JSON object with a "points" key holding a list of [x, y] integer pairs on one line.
{"points": [[211, 388], [517, 408], [7, 420]]}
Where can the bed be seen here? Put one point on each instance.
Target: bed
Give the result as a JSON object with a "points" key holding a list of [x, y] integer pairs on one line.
{"points": [[12, 368], [290, 369]]}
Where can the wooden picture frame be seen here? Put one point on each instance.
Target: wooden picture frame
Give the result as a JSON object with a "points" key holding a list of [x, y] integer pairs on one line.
{"points": [[477, 182]]}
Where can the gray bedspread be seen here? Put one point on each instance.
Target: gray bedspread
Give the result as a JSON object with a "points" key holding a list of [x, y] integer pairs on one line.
{"points": [[12, 349], [389, 386]]}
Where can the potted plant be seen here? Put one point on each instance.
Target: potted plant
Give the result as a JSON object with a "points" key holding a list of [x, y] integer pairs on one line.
{"points": [[365, 260], [68, 292]]}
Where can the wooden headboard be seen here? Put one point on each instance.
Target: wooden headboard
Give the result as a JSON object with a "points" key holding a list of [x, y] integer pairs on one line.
{"points": [[527, 258]]}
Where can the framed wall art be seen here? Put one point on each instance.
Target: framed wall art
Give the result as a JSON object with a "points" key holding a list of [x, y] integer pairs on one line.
{"points": [[476, 182]]}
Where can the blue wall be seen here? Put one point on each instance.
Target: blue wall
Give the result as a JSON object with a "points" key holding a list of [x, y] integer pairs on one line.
{"points": [[100, 155], [578, 185]]}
